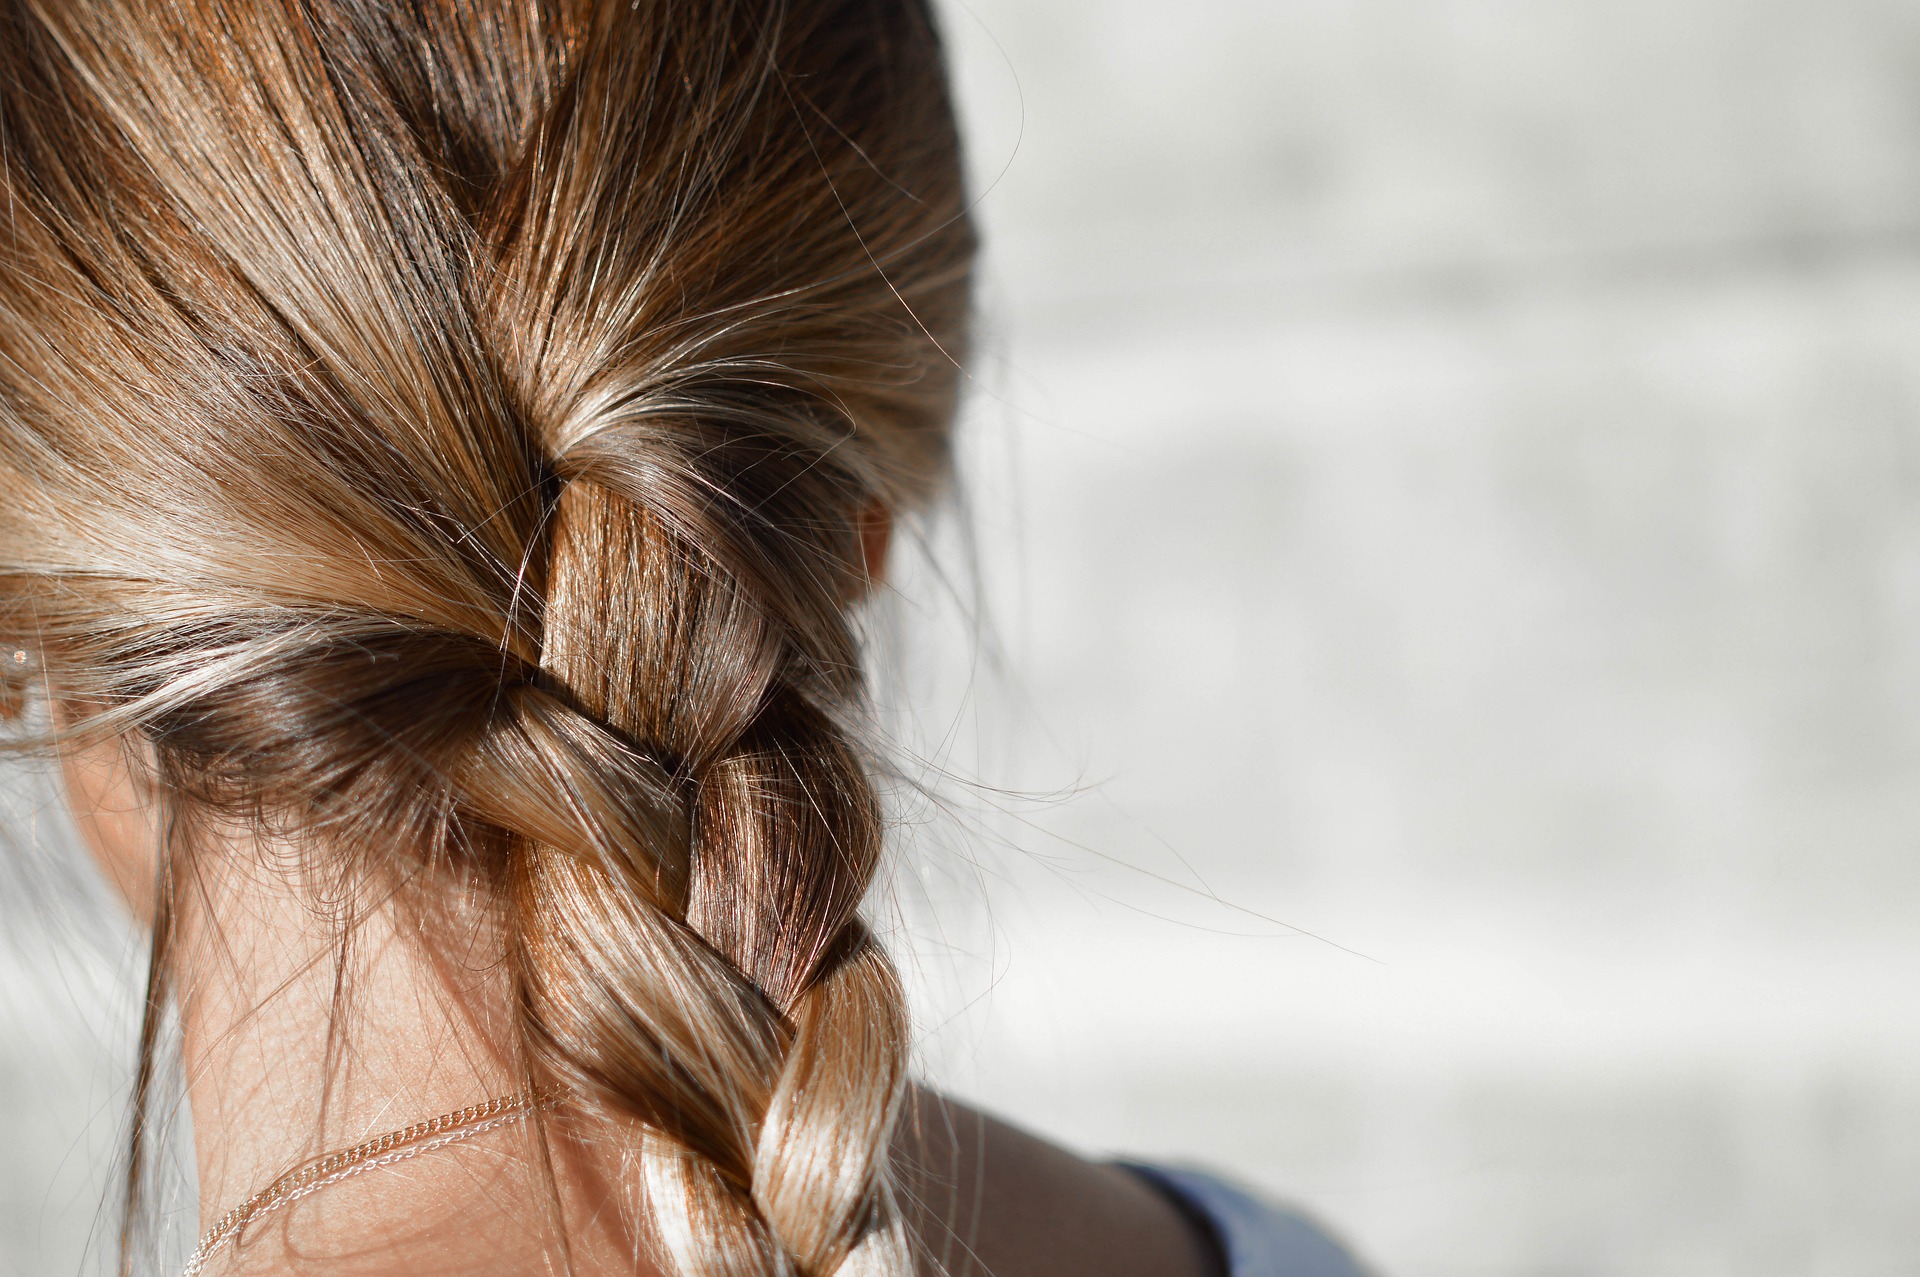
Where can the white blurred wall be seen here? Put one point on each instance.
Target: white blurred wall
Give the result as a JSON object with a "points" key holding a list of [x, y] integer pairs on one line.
{"points": [[1447, 479]]}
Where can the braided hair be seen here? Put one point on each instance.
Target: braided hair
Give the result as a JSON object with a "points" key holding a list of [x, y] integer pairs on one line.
{"points": [[442, 431]]}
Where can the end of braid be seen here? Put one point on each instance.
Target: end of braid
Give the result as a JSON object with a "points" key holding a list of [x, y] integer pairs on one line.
{"points": [[820, 1174]]}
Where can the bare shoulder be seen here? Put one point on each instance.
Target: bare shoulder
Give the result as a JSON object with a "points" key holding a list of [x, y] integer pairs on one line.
{"points": [[990, 1200]]}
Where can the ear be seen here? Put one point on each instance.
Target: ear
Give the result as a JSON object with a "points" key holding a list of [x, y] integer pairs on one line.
{"points": [[109, 791], [876, 534], [17, 679]]}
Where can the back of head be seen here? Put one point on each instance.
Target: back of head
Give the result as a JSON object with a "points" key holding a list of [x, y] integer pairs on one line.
{"points": [[442, 432]]}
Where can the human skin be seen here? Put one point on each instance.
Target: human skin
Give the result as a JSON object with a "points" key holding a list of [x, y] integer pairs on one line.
{"points": [[279, 1070]]}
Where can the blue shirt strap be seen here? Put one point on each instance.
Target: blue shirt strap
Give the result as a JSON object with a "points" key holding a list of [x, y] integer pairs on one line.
{"points": [[1257, 1239]]}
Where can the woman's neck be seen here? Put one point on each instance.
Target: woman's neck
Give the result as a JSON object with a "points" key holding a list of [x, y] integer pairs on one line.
{"points": [[306, 1033], [297, 1045]]}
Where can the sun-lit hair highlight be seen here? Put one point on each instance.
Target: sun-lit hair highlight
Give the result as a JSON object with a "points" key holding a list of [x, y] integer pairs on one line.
{"points": [[442, 431]]}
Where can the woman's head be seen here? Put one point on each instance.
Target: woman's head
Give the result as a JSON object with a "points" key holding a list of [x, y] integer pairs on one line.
{"points": [[449, 436]]}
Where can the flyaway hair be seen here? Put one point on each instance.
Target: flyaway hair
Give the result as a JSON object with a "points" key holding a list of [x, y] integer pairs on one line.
{"points": [[441, 431]]}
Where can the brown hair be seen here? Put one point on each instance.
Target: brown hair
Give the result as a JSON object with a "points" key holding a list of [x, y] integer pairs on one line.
{"points": [[440, 431]]}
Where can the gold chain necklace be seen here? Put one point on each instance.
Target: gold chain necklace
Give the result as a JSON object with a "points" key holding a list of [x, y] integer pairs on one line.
{"points": [[382, 1150]]}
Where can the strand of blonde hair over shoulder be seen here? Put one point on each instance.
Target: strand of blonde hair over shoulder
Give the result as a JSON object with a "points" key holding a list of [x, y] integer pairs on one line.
{"points": [[443, 430]]}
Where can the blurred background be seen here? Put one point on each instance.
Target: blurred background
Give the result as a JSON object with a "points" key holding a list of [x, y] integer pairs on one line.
{"points": [[1424, 715]]}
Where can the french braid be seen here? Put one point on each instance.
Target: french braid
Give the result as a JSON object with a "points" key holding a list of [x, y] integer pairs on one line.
{"points": [[443, 429]]}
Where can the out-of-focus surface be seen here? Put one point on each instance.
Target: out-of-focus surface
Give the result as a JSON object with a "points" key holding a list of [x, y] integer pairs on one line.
{"points": [[67, 1018], [1447, 477], [1454, 488]]}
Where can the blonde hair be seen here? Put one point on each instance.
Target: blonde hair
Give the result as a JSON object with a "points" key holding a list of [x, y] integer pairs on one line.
{"points": [[441, 431]]}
